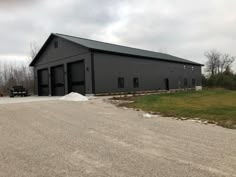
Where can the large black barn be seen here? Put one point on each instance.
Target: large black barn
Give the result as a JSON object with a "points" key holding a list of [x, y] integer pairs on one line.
{"points": [[71, 64]]}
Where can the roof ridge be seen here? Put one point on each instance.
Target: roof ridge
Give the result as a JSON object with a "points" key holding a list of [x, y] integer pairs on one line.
{"points": [[112, 44], [162, 56]]}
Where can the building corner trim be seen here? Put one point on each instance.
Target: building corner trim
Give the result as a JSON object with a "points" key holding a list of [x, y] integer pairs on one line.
{"points": [[93, 74]]}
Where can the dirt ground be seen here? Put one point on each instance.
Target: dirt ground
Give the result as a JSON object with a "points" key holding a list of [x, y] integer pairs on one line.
{"points": [[95, 138]]}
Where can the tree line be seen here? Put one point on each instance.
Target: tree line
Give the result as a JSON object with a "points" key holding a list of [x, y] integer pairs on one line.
{"points": [[219, 70], [11, 75], [18, 74]]}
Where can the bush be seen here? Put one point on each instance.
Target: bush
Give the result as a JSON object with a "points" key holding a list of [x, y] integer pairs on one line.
{"points": [[225, 80]]}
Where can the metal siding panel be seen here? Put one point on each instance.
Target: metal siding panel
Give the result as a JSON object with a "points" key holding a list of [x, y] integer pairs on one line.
{"points": [[56, 60], [151, 73], [93, 73], [65, 49]]}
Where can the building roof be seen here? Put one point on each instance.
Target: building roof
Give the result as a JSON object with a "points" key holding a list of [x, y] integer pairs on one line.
{"points": [[118, 49]]}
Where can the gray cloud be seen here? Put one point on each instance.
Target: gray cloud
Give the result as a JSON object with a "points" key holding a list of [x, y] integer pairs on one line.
{"points": [[35, 23], [185, 28], [12, 4]]}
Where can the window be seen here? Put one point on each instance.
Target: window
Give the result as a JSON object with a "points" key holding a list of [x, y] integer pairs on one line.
{"points": [[192, 68], [184, 67], [135, 82], [55, 44], [121, 82], [193, 82], [185, 82]]}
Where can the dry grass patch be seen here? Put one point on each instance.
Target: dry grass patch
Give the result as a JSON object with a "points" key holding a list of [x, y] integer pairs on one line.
{"points": [[218, 106]]}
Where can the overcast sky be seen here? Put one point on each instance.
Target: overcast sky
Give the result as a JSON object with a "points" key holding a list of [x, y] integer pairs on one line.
{"points": [[185, 28]]}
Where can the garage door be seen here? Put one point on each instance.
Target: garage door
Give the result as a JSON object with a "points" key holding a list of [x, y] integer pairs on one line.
{"points": [[58, 80], [76, 77], [43, 87]]}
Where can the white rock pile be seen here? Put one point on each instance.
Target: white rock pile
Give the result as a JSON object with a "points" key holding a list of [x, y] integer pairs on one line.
{"points": [[74, 97]]}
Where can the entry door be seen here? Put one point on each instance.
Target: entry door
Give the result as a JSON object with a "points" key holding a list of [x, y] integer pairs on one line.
{"points": [[43, 82], [166, 84], [76, 77], [58, 80]]}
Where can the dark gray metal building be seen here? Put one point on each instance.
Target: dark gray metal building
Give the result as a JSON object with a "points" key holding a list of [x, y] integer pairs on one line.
{"points": [[66, 63]]}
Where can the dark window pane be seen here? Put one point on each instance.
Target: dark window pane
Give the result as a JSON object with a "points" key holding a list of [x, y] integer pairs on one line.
{"points": [[135, 82], [121, 82]]}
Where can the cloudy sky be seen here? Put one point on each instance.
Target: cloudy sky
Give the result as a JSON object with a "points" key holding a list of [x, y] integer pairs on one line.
{"points": [[185, 28]]}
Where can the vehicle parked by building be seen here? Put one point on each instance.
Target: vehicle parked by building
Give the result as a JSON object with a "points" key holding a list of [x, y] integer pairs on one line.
{"points": [[18, 91]]}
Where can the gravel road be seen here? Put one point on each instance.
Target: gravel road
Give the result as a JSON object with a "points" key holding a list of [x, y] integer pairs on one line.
{"points": [[95, 138]]}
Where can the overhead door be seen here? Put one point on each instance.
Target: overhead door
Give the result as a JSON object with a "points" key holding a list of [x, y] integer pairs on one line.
{"points": [[76, 77], [43, 83], [58, 80]]}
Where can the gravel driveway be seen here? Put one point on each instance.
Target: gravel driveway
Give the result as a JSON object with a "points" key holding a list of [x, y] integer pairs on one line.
{"points": [[95, 138]]}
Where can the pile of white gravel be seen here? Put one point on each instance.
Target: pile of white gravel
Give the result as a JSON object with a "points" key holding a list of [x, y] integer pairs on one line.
{"points": [[74, 97]]}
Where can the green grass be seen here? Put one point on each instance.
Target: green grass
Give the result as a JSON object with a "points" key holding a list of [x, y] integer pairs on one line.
{"points": [[216, 106]]}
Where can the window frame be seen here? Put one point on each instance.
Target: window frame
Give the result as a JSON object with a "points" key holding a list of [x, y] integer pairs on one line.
{"points": [[135, 82], [121, 82]]}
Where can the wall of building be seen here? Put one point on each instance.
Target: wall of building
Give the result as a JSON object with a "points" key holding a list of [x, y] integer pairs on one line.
{"points": [[108, 67], [66, 52], [151, 73]]}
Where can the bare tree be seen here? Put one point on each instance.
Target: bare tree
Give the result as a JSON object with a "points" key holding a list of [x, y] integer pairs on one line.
{"points": [[213, 62], [1, 79], [218, 62], [30, 72], [33, 50], [11, 74], [226, 62]]}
